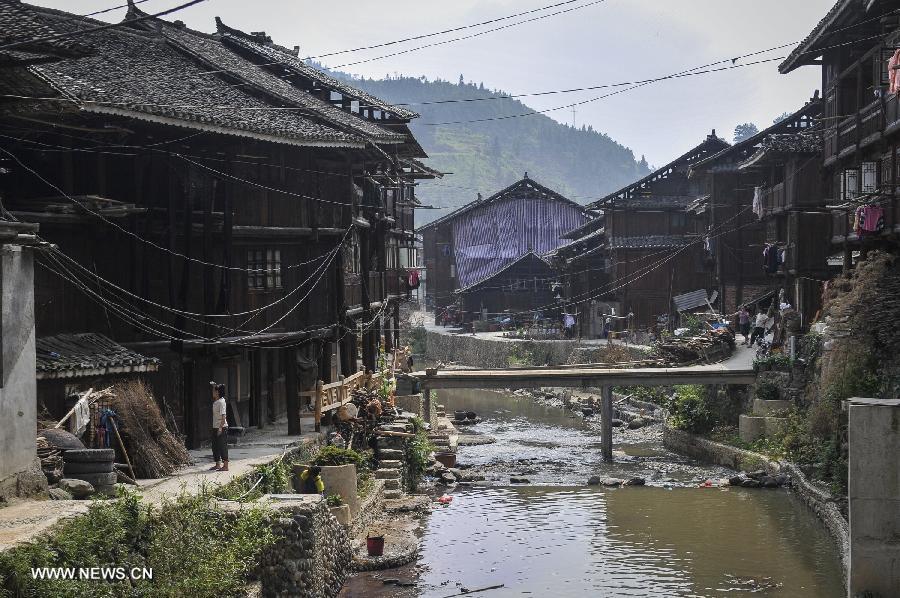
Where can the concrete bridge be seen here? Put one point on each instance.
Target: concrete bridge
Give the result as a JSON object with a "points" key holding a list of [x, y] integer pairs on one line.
{"points": [[738, 369]]}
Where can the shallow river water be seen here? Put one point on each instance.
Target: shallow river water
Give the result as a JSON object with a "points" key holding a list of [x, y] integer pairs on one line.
{"points": [[558, 537]]}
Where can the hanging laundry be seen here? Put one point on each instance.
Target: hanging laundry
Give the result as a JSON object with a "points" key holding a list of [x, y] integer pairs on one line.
{"points": [[770, 259], [872, 219], [413, 279], [757, 202], [894, 72], [81, 416], [857, 220]]}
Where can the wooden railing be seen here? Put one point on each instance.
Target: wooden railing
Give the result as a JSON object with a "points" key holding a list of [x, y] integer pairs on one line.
{"points": [[328, 397], [774, 199]]}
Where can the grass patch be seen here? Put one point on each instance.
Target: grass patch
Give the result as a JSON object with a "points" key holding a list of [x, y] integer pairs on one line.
{"points": [[193, 547]]}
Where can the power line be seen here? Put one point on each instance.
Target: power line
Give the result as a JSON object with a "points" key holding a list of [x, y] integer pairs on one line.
{"points": [[105, 10], [445, 31], [79, 32], [470, 36]]}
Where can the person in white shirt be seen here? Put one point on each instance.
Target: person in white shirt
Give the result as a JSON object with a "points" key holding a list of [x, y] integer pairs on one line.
{"points": [[219, 427], [759, 327]]}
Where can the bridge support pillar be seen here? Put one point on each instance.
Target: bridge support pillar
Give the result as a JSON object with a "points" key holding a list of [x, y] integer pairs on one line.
{"points": [[606, 417]]}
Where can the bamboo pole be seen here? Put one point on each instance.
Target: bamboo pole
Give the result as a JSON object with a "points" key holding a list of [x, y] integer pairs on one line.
{"points": [[319, 393], [122, 446]]}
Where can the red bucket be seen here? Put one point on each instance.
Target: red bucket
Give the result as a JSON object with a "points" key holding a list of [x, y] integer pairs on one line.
{"points": [[375, 545]]}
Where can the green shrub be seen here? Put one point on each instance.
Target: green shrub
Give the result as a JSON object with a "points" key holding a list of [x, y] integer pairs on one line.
{"points": [[767, 391], [418, 449], [334, 500], [332, 455], [193, 548], [689, 410], [417, 340]]}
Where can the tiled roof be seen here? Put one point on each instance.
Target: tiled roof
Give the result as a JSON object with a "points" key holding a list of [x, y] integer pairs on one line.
{"points": [[87, 354], [653, 201], [212, 52], [285, 58], [18, 23], [139, 74], [524, 188], [796, 57], [807, 143], [530, 256], [650, 241]]}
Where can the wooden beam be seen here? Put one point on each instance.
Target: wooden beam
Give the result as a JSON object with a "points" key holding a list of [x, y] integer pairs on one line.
{"points": [[606, 415]]}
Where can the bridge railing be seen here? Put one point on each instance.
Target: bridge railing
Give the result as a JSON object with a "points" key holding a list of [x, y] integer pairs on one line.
{"points": [[329, 397]]}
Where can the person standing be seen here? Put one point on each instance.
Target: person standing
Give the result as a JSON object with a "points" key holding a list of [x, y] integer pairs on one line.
{"points": [[744, 323], [759, 327], [219, 427]]}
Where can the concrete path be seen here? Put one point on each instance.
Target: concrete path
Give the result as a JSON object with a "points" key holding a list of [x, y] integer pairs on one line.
{"points": [[23, 521]]}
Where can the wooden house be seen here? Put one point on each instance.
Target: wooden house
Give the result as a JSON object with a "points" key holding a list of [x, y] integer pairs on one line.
{"points": [[234, 217], [476, 241], [523, 286], [582, 264], [764, 192], [654, 242], [856, 44]]}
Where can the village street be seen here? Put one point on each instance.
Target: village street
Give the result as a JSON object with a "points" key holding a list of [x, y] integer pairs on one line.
{"points": [[423, 300]]}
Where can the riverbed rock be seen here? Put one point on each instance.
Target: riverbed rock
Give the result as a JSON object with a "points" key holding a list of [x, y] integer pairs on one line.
{"points": [[635, 482], [768, 481], [756, 475], [59, 494], [638, 422], [594, 480], [79, 489], [448, 478], [613, 482], [750, 483], [736, 480], [616, 423], [519, 481], [475, 439]]}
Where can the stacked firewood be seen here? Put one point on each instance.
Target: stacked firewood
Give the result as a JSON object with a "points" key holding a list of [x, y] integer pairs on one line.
{"points": [[51, 459], [705, 348]]}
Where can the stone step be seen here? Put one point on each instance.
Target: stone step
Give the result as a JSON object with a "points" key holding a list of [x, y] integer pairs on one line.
{"points": [[392, 494], [392, 484], [387, 474], [390, 454], [389, 464]]}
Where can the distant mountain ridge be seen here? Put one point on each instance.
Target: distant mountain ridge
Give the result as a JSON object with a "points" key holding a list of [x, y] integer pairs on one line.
{"points": [[484, 157]]}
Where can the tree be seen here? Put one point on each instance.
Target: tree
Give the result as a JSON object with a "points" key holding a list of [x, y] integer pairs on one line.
{"points": [[461, 81], [644, 167], [781, 118], [744, 131]]}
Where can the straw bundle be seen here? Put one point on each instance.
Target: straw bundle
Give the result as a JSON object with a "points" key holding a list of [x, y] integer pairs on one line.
{"points": [[154, 450]]}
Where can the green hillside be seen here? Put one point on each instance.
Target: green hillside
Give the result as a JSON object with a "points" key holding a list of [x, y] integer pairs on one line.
{"points": [[484, 157]]}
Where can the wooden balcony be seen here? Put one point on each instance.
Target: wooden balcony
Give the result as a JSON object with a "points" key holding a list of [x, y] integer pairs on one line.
{"points": [[774, 200], [865, 127]]}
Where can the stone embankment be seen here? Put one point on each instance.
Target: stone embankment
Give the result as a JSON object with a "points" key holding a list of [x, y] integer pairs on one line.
{"points": [[825, 506]]}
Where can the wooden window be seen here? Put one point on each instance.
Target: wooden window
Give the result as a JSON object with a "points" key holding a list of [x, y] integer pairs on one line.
{"points": [[849, 184], [264, 269], [869, 177], [352, 255]]}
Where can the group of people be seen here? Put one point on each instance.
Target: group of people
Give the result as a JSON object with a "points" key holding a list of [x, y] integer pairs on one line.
{"points": [[782, 322], [758, 322]]}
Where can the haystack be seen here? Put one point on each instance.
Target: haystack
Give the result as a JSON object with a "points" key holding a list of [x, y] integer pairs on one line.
{"points": [[154, 450]]}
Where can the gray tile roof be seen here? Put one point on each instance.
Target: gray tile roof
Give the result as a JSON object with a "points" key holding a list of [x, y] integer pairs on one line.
{"points": [[273, 53], [217, 56], [87, 354], [139, 74], [803, 53], [18, 24]]}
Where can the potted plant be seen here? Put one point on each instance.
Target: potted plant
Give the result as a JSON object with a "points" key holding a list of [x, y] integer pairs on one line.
{"points": [[338, 509]]}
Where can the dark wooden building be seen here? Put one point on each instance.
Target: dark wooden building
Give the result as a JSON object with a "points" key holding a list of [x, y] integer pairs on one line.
{"points": [[856, 44], [766, 191], [654, 241], [217, 205], [522, 286], [478, 240], [583, 267]]}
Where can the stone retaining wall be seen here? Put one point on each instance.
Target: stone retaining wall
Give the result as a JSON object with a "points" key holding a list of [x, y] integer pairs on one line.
{"points": [[483, 352], [311, 557], [820, 501], [369, 509]]}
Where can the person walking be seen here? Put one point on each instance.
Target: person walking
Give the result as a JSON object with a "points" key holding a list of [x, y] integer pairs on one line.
{"points": [[759, 327], [219, 427], [744, 323]]}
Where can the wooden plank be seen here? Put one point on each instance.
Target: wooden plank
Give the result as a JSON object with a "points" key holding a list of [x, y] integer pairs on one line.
{"points": [[606, 414]]}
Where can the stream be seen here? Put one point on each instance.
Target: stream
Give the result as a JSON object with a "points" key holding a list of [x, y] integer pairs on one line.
{"points": [[555, 536]]}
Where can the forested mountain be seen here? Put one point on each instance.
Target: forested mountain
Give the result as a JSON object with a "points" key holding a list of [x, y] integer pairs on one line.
{"points": [[486, 156]]}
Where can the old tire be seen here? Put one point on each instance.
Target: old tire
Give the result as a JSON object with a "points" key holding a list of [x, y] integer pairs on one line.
{"points": [[89, 456], [87, 467], [96, 479], [61, 439]]}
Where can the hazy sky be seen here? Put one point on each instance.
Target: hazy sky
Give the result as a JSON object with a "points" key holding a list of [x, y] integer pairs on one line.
{"points": [[610, 42]]}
